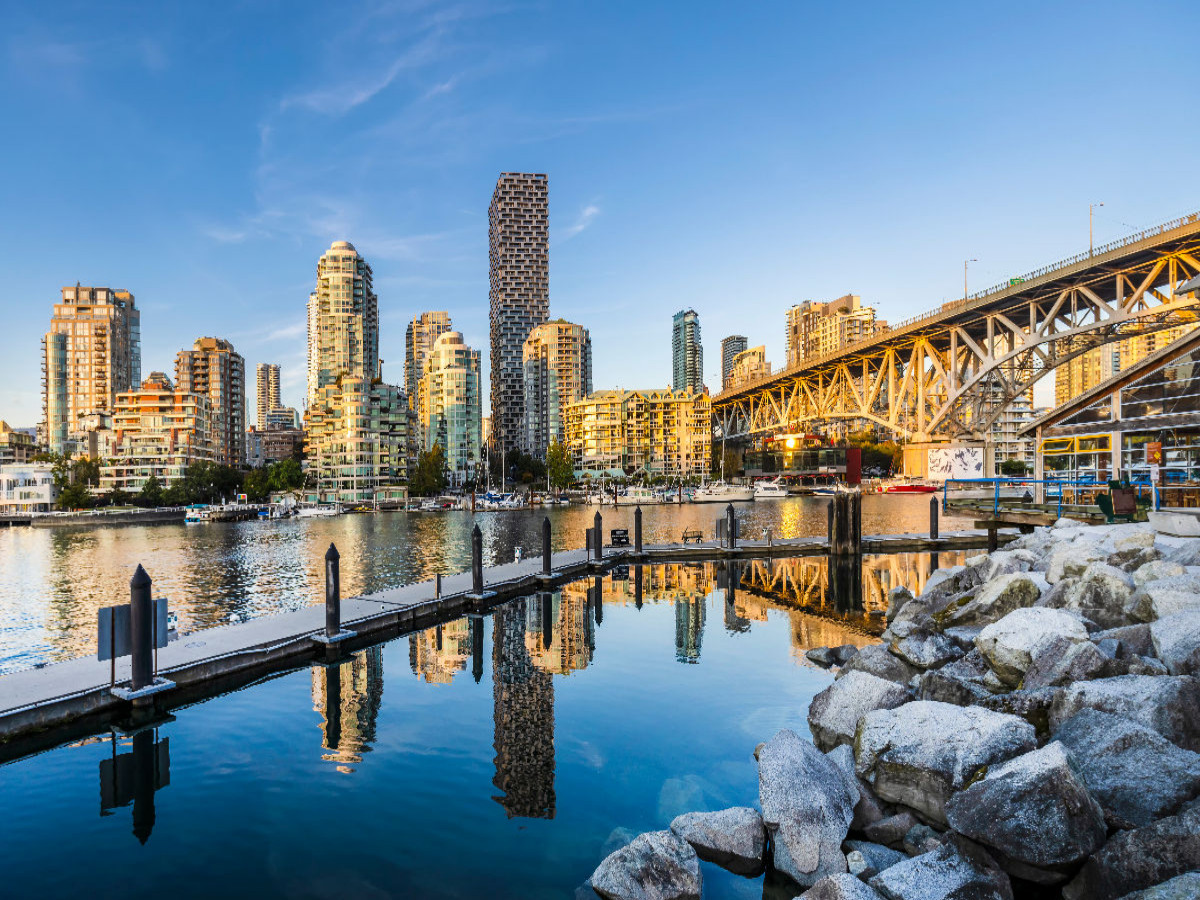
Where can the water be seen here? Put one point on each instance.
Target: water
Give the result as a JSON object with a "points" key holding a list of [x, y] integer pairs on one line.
{"points": [[502, 757], [53, 581]]}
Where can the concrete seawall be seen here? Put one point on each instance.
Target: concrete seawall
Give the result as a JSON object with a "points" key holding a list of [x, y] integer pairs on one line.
{"points": [[91, 520]]}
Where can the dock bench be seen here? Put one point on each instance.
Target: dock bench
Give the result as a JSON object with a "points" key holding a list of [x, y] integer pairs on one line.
{"points": [[619, 537], [692, 536]]}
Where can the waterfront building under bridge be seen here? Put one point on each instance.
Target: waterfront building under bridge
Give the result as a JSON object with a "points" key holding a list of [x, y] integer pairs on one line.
{"points": [[1142, 424]]}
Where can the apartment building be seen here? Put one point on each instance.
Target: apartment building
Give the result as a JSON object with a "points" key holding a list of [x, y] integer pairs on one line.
{"points": [[730, 348], [557, 364], [213, 369], [749, 365], [815, 328], [449, 405], [92, 352], [664, 432], [687, 352]]}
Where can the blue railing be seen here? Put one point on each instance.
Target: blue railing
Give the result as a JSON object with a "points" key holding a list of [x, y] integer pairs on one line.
{"points": [[997, 483]]}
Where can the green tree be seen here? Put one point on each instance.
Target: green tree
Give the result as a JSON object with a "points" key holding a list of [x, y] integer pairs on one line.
{"points": [[558, 465], [86, 470], [286, 475], [151, 493], [430, 477], [1013, 467], [75, 496], [175, 495], [257, 484]]}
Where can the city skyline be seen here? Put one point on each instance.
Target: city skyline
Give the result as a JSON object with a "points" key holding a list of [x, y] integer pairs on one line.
{"points": [[927, 173]]}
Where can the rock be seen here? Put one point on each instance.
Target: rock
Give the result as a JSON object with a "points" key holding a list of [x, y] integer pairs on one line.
{"points": [[1101, 595], [897, 597], [956, 869], [891, 830], [806, 807], [1135, 774], [925, 650], [1181, 887], [1167, 704], [1186, 554], [658, 865], [995, 599], [617, 838], [1133, 639], [921, 839], [845, 653], [866, 860], [1065, 662], [1141, 858], [834, 713], [1034, 813], [1136, 541], [1177, 642], [1011, 645], [920, 753], [963, 636], [840, 887], [960, 682], [1140, 665], [1031, 705], [1153, 571], [867, 808], [821, 656], [877, 660], [1069, 559], [732, 838], [1164, 596], [1133, 559]]}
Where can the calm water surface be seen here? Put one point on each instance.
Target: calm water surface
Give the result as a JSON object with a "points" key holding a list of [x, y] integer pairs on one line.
{"points": [[496, 757], [53, 581]]}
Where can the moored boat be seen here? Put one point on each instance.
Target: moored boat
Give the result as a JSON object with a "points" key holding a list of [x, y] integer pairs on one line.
{"points": [[770, 490], [722, 492]]}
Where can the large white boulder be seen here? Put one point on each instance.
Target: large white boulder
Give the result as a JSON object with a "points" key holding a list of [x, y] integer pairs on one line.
{"points": [[1011, 645]]}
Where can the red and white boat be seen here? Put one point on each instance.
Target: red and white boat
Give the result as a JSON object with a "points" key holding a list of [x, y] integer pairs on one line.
{"points": [[903, 485]]}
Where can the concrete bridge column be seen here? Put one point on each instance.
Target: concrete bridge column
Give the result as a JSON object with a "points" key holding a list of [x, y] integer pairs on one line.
{"points": [[1039, 468], [989, 458]]}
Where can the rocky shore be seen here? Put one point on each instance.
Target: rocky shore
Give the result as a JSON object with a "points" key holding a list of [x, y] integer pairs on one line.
{"points": [[1029, 727]]}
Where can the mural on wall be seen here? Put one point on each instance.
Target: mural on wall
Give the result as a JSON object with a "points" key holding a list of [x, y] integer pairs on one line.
{"points": [[954, 462]]}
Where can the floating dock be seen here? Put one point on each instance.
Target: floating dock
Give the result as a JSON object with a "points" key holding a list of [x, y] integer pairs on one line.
{"points": [[42, 707]]}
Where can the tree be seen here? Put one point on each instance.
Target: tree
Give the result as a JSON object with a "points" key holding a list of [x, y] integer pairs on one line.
{"points": [[286, 475], [1013, 467], [75, 496], [151, 493], [558, 465], [86, 470], [430, 477], [257, 485]]}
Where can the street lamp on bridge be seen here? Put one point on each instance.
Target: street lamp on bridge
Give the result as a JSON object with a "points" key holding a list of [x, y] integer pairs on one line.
{"points": [[1091, 214], [965, 261]]}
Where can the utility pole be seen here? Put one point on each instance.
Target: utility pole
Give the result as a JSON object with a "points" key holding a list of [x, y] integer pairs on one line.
{"points": [[965, 261], [1091, 215]]}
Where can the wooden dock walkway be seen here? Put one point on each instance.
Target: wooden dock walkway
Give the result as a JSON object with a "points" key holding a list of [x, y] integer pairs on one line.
{"points": [[44, 706]]}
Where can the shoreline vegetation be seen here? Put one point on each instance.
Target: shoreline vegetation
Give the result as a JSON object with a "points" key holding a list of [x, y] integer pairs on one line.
{"points": [[1029, 727]]}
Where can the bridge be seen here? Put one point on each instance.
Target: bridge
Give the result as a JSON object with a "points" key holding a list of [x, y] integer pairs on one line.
{"points": [[949, 374]]}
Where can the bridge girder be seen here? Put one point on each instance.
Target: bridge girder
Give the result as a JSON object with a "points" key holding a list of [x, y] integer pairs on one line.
{"points": [[955, 377]]}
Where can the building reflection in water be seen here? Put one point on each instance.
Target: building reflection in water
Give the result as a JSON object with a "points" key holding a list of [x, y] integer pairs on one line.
{"points": [[523, 695], [559, 635], [348, 695], [438, 654], [132, 778]]}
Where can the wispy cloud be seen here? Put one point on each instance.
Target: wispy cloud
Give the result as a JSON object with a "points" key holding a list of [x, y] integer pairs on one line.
{"points": [[586, 216], [443, 87]]}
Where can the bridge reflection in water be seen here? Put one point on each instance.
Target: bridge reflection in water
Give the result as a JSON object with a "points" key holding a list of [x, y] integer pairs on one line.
{"points": [[554, 633]]}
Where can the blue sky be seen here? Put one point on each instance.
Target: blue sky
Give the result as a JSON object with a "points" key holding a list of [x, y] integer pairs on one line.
{"points": [[732, 157]]}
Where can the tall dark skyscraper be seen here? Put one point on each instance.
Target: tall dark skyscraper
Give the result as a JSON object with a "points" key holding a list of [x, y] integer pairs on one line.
{"points": [[731, 347], [687, 353], [519, 274]]}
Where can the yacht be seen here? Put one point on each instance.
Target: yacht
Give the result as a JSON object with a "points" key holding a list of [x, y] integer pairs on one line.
{"points": [[722, 492], [637, 496], [320, 509], [770, 490], [903, 484]]}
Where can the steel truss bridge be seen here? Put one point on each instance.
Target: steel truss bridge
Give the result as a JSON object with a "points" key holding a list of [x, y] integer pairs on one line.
{"points": [[951, 373]]}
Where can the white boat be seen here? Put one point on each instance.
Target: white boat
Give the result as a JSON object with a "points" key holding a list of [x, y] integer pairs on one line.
{"points": [[722, 492], [321, 509], [770, 490], [637, 496], [196, 515]]}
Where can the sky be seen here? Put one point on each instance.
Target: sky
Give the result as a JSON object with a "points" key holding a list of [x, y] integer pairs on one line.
{"points": [[734, 158]]}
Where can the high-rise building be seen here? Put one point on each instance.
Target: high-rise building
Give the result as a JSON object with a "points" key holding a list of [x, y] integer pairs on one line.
{"points": [[91, 353], [557, 370], [213, 369], [1099, 364], [687, 353], [519, 275], [158, 430], [449, 405], [747, 366], [815, 328], [667, 433], [268, 392], [15, 446], [731, 347], [423, 330], [356, 426]]}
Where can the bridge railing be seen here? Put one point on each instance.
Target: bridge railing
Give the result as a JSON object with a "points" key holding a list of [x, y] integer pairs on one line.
{"points": [[1013, 284]]}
